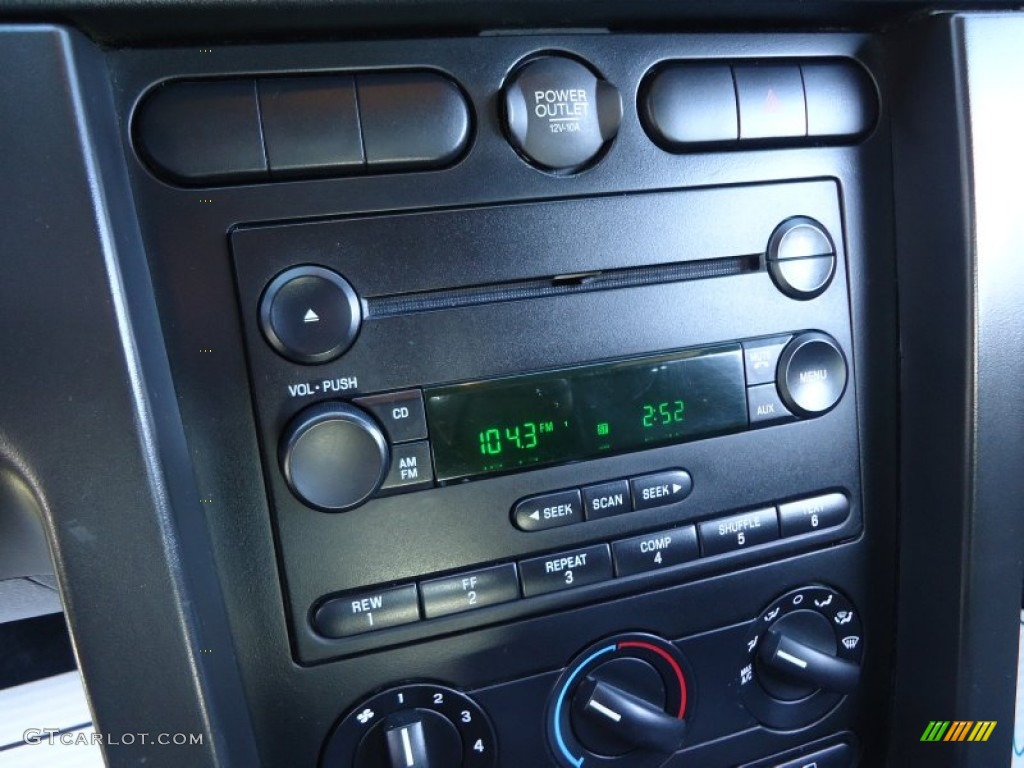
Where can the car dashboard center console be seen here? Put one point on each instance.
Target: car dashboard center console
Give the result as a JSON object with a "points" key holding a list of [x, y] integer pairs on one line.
{"points": [[554, 387], [540, 392]]}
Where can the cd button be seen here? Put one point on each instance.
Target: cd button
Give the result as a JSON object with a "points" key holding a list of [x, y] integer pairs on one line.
{"points": [[367, 611], [655, 550], [400, 413], [606, 499], [411, 468], [552, 510], [467, 591], [565, 570], [729, 534], [660, 489], [808, 515]]}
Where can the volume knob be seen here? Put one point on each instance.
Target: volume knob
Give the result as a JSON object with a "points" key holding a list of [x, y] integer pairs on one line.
{"points": [[334, 456]]}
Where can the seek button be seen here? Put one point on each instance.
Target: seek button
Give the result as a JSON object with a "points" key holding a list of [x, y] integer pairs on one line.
{"points": [[552, 510], [660, 489]]}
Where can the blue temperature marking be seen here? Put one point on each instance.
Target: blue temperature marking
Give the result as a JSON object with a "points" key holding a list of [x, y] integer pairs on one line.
{"points": [[577, 761]]}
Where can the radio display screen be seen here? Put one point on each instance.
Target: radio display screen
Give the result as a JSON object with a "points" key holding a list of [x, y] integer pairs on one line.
{"points": [[539, 419]]}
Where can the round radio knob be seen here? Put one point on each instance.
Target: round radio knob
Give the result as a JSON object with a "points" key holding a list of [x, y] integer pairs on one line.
{"points": [[811, 376], [334, 456]]}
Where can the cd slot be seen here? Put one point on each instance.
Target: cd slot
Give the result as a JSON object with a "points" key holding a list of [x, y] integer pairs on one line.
{"points": [[559, 285]]}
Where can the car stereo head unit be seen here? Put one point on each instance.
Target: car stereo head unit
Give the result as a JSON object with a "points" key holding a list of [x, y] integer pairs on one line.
{"points": [[690, 389]]}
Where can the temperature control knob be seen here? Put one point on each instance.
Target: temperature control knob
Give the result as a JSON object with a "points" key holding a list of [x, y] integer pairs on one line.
{"points": [[622, 702], [802, 655], [334, 456], [414, 726]]}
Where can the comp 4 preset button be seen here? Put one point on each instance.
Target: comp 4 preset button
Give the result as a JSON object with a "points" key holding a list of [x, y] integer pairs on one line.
{"points": [[655, 550]]}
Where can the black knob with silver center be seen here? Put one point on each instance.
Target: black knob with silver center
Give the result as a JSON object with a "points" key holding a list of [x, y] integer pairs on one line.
{"points": [[334, 456]]}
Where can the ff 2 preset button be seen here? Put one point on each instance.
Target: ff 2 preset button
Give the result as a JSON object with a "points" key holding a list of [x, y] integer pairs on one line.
{"points": [[552, 510], [565, 570], [470, 590], [367, 611]]}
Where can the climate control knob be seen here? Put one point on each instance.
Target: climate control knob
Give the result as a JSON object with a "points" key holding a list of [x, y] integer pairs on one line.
{"points": [[334, 456], [802, 656], [622, 702], [413, 726]]}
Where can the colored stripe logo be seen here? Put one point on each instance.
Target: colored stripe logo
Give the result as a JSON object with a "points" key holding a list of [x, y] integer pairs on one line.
{"points": [[958, 730]]}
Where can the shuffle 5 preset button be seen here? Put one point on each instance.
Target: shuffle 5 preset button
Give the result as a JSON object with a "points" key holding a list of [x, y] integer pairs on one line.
{"points": [[728, 534]]}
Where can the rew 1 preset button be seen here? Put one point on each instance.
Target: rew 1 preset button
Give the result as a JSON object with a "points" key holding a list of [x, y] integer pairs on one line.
{"points": [[728, 534], [367, 611], [552, 510], [470, 590], [660, 489], [565, 570], [655, 550]]}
